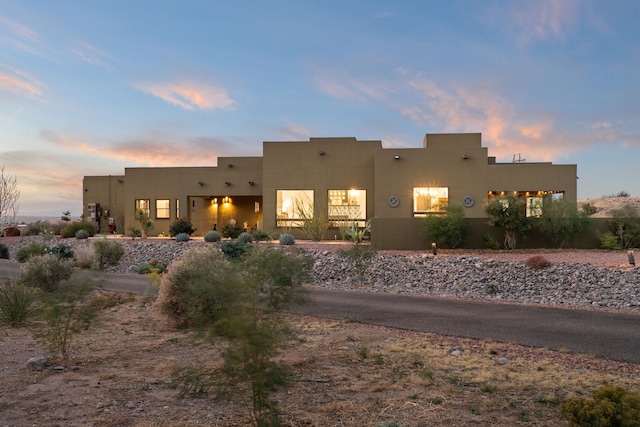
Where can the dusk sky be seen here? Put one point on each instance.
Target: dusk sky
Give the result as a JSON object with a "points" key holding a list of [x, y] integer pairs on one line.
{"points": [[92, 87]]}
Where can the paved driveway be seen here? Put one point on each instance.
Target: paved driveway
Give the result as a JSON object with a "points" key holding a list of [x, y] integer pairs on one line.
{"points": [[608, 335]]}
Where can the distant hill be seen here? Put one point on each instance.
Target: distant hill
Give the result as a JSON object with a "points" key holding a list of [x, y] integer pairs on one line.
{"points": [[607, 204]]}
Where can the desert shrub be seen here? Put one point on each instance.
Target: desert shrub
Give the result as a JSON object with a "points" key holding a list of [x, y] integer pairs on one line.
{"points": [[610, 406], [4, 251], [180, 226], [65, 313], [234, 249], [625, 225], [82, 234], [537, 262], [245, 237], [154, 266], [46, 272], [446, 230], [31, 250], [16, 302], [609, 241], [508, 213], [72, 228], [182, 237], [108, 252], [212, 236], [261, 235], [85, 256], [287, 239], [62, 251], [356, 234], [561, 221], [589, 209], [231, 231], [193, 291], [490, 242]]}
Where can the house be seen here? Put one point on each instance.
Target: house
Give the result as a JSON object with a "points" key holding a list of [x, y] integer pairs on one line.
{"points": [[343, 178]]}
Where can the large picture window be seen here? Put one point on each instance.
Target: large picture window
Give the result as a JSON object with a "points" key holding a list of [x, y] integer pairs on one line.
{"points": [[428, 200], [292, 206], [162, 209], [143, 204], [346, 206]]}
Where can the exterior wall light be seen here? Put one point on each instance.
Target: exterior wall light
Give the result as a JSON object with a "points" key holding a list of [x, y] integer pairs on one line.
{"points": [[396, 157], [227, 183], [321, 153], [465, 156], [226, 200], [251, 182], [200, 183], [214, 201], [230, 165]]}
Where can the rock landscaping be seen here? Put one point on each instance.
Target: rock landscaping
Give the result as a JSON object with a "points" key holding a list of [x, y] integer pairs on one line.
{"points": [[573, 282]]}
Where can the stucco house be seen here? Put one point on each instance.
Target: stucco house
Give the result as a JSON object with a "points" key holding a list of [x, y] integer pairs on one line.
{"points": [[344, 178]]}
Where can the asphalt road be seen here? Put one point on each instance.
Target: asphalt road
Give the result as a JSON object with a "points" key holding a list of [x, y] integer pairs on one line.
{"points": [[602, 334]]}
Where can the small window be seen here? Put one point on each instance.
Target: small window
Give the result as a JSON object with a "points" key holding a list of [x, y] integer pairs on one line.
{"points": [[162, 209], [292, 206], [143, 204], [427, 200], [177, 208], [534, 206]]}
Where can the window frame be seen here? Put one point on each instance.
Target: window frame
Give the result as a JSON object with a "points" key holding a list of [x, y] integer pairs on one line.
{"points": [[144, 204], [166, 210]]}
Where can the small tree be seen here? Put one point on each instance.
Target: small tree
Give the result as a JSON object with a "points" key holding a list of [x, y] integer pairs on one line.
{"points": [[508, 213], [561, 221], [9, 197], [179, 226], [145, 223], [446, 230], [625, 225]]}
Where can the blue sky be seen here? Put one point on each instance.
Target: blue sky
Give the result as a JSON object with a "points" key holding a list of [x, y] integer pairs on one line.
{"points": [[92, 87]]}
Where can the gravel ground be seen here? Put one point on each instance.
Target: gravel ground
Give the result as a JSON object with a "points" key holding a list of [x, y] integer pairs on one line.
{"points": [[575, 278]]}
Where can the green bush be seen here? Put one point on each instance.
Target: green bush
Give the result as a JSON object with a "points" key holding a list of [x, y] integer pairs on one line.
{"points": [[234, 249], [232, 231], [31, 250], [182, 237], [16, 302], [193, 291], [490, 242], [212, 236], [179, 226], [261, 235], [610, 406], [158, 267], [4, 251], [245, 237], [625, 225], [561, 221], [72, 228], [46, 272], [609, 241], [589, 209], [287, 239], [448, 230], [62, 251], [108, 252], [82, 234]]}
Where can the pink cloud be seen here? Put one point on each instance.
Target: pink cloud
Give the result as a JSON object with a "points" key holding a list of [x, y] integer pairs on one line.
{"points": [[543, 19], [189, 95], [19, 82], [338, 84]]}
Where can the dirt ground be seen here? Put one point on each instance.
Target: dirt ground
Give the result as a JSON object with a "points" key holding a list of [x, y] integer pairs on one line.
{"points": [[345, 374]]}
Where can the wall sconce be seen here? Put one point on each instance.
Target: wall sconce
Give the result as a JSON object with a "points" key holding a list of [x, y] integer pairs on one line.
{"points": [[227, 183], [396, 157], [251, 182], [321, 153], [226, 200], [200, 183], [214, 201], [121, 181], [465, 156], [230, 165]]}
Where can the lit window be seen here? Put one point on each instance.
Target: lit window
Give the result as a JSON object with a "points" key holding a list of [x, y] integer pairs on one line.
{"points": [[143, 204], [534, 206], [346, 206], [162, 209], [429, 200], [292, 206], [177, 208]]}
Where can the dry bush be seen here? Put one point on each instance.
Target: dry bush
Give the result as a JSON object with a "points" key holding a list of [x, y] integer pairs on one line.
{"points": [[85, 256], [538, 262]]}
